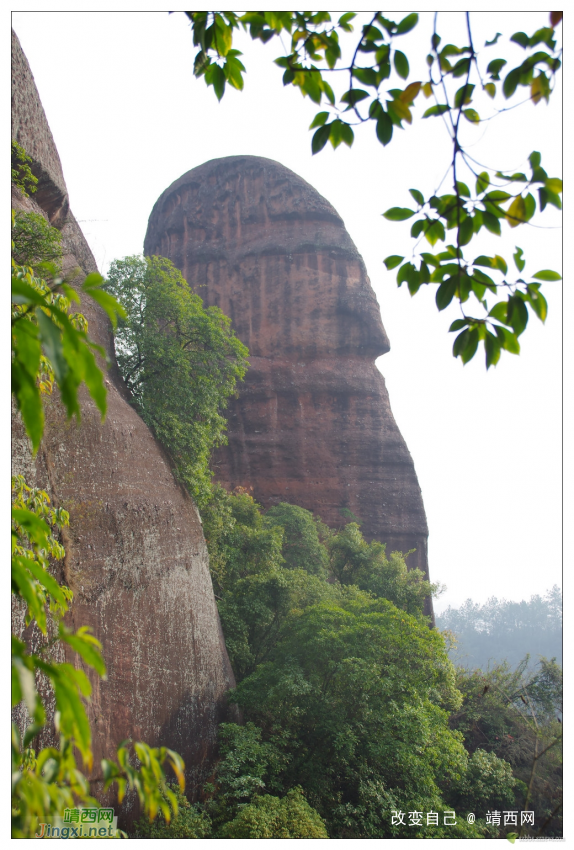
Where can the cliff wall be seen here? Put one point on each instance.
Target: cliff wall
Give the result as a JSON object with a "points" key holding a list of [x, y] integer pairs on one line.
{"points": [[312, 424], [135, 554]]}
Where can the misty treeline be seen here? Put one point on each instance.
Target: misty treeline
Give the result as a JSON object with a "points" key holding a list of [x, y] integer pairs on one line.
{"points": [[503, 630]]}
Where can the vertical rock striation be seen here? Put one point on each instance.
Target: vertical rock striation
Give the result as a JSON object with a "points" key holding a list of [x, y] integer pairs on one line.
{"points": [[135, 553], [312, 424]]}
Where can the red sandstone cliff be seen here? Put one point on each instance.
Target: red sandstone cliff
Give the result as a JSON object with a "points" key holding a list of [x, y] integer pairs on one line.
{"points": [[135, 553], [312, 424]]}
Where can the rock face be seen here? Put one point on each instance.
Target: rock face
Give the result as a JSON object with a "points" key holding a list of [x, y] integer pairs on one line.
{"points": [[135, 553], [312, 424]]}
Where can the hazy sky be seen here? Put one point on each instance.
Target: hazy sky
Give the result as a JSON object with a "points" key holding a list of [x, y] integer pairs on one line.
{"points": [[128, 119]]}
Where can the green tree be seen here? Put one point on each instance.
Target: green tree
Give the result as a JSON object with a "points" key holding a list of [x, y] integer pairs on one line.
{"points": [[256, 593], [514, 713], [465, 87], [239, 542], [356, 696], [179, 360], [255, 612], [187, 821], [22, 176], [353, 561], [35, 242], [302, 547], [271, 817]]}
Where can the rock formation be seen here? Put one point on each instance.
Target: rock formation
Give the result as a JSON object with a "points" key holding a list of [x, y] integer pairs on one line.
{"points": [[135, 553], [312, 424]]}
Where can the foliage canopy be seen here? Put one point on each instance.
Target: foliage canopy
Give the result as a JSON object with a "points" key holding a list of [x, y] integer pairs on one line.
{"points": [[179, 360], [465, 85]]}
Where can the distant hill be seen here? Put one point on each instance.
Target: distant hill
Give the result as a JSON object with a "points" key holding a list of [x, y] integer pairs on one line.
{"points": [[502, 630]]}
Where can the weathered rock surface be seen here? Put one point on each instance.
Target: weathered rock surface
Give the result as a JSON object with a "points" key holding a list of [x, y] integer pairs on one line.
{"points": [[312, 424], [135, 553]]}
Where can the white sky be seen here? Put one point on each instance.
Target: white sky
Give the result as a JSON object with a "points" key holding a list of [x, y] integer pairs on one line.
{"points": [[128, 119]]}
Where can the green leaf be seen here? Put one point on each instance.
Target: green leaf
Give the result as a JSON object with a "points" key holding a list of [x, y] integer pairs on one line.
{"points": [[384, 129], [500, 263], [495, 67], [516, 213], [477, 220], [497, 196], [112, 307], [460, 343], [401, 64], [366, 76], [492, 349], [404, 273], [463, 95], [511, 82], [439, 109], [554, 184], [548, 197], [29, 403], [51, 339], [393, 261], [461, 68], [507, 339], [471, 115], [398, 214], [488, 262], [462, 189], [517, 314], [520, 38], [518, 261], [414, 281], [233, 70], [336, 134], [491, 223], [465, 231], [86, 645], [418, 196], [458, 324], [418, 228], [530, 206], [537, 301], [354, 96], [407, 24], [319, 119], [535, 159], [547, 274], [469, 350], [215, 76], [494, 40], [434, 232], [445, 293], [347, 134], [23, 293], [498, 312], [320, 138], [345, 21]]}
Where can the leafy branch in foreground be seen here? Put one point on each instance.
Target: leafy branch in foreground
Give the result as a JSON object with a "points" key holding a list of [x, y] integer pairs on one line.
{"points": [[50, 345], [44, 784], [316, 51]]}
